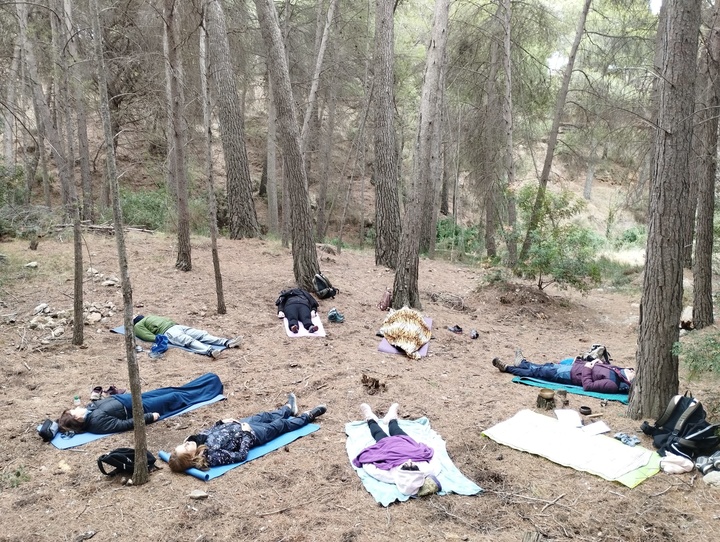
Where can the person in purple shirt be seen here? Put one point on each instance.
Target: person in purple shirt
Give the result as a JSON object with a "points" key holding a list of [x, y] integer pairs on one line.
{"points": [[397, 458]]}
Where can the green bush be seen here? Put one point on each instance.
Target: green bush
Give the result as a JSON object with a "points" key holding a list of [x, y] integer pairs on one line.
{"points": [[451, 236], [145, 208], [617, 274], [632, 237], [700, 351]]}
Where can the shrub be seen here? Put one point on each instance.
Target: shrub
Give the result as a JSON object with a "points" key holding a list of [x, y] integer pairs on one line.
{"points": [[144, 208], [700, 351], [451, 236]]}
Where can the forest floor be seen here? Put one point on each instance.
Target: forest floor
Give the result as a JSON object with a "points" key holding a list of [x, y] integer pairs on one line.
{"points": [[308, 490]]}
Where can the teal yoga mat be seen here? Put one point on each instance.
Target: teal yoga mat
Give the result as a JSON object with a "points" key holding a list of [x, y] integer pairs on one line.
{"points": [[254, 453], [577, 390]]}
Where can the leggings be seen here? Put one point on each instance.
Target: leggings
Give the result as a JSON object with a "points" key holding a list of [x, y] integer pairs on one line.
{"points": [[377, 432]]}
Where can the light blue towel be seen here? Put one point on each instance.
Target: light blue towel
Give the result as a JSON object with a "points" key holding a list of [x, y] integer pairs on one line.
{"points": [[63, 442], [120, 330], [451, 479], [254, 453]]}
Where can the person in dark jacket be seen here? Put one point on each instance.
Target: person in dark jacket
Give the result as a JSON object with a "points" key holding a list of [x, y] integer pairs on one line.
{"points": [[296, 305], [196, 340], [114, 414], [592, 372], [230, 440]]}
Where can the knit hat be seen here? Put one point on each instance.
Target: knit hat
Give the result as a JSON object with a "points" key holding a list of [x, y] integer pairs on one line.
{"points": [[138, 318]]}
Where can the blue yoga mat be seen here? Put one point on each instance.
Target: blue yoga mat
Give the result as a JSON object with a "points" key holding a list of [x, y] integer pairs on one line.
{"points": [[120, 330], [254, 453], [63, 442], [577, 390]]}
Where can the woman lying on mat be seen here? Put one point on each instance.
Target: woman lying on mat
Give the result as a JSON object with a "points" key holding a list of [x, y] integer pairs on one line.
{"points": [[592, 371], [297, 305], [229, 441], [114, 414], [397, 458]]}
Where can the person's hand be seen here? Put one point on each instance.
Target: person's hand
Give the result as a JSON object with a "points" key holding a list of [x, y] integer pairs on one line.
{"points": [[156, 416], [313, 313], [281, 314], [245, 427], [591, 364]]}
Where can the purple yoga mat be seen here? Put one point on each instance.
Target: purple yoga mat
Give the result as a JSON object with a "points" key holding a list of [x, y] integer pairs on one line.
{"points": [[386, 347]]}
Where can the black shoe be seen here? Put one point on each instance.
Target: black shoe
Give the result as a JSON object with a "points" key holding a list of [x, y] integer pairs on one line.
{"points": [[499, 365], [704, 464], [316, 412], [455, 329], [313, 329], [294, 329]]}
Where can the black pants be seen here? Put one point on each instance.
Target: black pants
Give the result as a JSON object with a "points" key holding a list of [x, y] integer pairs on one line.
{"points": [[298, 311], [377, 432]]}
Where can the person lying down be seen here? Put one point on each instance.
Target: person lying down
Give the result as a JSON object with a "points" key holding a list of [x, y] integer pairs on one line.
{"points": [[397, 458]]}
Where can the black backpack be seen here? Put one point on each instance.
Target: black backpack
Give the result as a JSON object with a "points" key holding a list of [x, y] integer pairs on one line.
{"points": [[323, 288], [683, 429], [123, 461]]}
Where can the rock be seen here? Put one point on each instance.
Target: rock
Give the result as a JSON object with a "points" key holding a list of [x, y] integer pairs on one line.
{"points": [[712, 478], [91, 271], [93, 318], [40, 308], [198, 494], [31, 265]]}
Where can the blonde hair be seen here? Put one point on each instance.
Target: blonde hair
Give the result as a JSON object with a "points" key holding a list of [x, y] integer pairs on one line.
{"points": [[180, 462]]}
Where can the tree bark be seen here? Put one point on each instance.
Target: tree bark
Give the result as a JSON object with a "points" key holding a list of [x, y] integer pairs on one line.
{"points": [[272, 185], [507, 110], [657, 363], [8, 119], [243, 219], [140, 473], [305, 263], [553, 135]]}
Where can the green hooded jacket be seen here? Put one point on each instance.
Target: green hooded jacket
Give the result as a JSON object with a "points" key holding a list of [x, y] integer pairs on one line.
{"points": [[152, 325]]}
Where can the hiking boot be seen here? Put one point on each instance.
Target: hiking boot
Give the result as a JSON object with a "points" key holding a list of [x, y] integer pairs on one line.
{"points": [[392, 414], [499, 365], [704, 464], [316, 412], [313, 329], [234, 343], [294, 329], [215, 353], [335, 316], [367, 412], [292, 403]]}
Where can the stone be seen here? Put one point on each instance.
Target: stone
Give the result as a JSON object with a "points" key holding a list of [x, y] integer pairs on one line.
{"points": [[198, 494], [712, 478]]}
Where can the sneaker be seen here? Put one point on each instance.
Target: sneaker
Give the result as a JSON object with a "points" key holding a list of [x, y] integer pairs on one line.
{"points": [[292, 403], [335, 316], [703, 464], [294, 329], [316, 412], [313, 329], [392, 414], [234, 343], [519, 357], [367, 412], [715, 458], [96, 393], [215, 353], [455, 329], [499, 365]]}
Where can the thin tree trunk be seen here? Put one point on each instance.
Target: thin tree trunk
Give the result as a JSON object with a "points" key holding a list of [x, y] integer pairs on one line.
{"points": [[212, 203], [272, 189], [140, 474], [327, 148], [8, 118], [553, 135], [656, 359]]}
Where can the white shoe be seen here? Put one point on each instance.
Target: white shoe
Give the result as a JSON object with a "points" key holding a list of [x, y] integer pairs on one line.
{"points": [[392, 414], [367, 412], [234, 343], [215, 354]]}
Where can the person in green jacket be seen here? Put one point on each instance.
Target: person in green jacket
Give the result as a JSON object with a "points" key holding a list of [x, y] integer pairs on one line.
{"points": [[195, 340]]}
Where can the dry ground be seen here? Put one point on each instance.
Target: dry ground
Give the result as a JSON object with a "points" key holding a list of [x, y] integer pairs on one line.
{"points": [[308, 491]]}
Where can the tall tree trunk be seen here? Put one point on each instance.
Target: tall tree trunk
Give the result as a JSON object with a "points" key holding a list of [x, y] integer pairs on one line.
{"points": [[387, 205], [243, 220], [327, 148], [657, 363], [507, 110], [553, 135], [140, 474], [707, 126], [272, 188], [305, 263], [212, 203], [405, 286], [176, 146], [8, 118]]}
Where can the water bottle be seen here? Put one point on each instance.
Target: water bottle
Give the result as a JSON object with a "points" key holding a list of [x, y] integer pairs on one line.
{"points": [[76, 400]]}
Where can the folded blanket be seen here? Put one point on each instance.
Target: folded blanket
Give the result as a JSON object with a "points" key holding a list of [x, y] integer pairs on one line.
{"points": [[600, 455], [451, 479], [302, 332], [254, 453]]}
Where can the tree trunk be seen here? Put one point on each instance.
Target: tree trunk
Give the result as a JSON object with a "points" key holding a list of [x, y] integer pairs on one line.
{"points": [[657, 363], [8, 119], [243, 220], [327, 148], [305, 263], [140, 474], [212, 204], [553, 135], [176, 149], [405, 286], [707, 126], [272, 188], [507, 110]]}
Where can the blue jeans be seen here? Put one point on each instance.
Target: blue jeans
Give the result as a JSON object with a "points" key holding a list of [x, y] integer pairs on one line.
{"points": [[197, 340], [552, 372], [270, 425]]}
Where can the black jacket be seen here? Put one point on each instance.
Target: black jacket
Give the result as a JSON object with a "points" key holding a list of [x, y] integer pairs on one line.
{"points": [[296, 295], [110, 416]]}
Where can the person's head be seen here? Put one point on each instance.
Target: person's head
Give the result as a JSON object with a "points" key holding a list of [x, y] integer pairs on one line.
{"points": [[188, 455], [72, 419], [137, 318]]}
